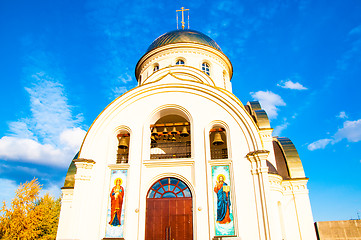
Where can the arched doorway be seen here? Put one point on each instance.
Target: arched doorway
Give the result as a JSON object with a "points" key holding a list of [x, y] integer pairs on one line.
{"points": [[169, 211]]}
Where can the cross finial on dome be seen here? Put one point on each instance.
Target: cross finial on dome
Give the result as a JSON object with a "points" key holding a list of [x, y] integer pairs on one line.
{"points": [[182, 10]]}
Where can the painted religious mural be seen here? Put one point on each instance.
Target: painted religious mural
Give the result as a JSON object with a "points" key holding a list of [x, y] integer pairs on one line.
{"points": [[115, 214], [224, 225]]}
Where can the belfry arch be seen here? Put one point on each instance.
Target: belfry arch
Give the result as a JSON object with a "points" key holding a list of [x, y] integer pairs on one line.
{"points": [[169, 211], [170, 135]]}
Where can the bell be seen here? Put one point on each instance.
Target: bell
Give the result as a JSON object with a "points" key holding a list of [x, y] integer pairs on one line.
{"points": [[217, 139], [174, 130], [184, 132], [165, 131], [154, 132], [173, 139], [153, 142], [123, 143]]}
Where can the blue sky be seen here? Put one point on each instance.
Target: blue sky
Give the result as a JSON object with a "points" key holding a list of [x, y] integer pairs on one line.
{"points": [[62, 62]]}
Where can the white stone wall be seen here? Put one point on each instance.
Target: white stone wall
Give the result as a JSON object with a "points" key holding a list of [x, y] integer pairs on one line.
{"points": [[257, 198]]}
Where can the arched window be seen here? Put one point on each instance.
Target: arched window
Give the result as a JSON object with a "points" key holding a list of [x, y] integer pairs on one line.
{"points": [[169, 188], [179, 62], [218, 142], [123, 147], [170, 138], [206, 68], [156, 67]]}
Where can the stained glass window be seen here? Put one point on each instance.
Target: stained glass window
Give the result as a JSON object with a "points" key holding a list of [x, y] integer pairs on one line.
{"points": [[169, 188]]}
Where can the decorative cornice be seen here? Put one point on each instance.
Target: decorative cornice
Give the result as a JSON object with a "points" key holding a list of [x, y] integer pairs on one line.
{"points": [[119, 166], [182, 47], [168, 162], [257, 155], [79, 160], [293, 186]]}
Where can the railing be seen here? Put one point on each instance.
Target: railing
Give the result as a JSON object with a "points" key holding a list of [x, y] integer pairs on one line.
{"points": [[122, 158], [172, 150], [219, 153]]}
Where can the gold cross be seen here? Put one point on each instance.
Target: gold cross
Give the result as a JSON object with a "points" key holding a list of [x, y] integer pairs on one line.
{"points": [[182, 10]]}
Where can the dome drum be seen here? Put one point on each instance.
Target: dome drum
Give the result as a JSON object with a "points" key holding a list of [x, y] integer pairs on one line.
{"points": [[192, 47]]}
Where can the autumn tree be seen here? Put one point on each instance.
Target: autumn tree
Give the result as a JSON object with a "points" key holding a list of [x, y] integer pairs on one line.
{"points": [[30, 216]]}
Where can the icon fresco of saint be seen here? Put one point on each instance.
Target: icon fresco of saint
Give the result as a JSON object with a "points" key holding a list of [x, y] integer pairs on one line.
{"points": [[116, 198], [223, 200]]}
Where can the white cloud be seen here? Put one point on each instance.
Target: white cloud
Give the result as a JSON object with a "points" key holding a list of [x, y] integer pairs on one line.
{"points": [[72, 137], [342, 115], [50, 135], [28, 150], [319, 144], [351, 131], [269, 102], [291, 85]]}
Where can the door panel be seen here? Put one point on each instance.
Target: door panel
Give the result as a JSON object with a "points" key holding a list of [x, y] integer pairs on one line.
{"points": [[169, 219]]}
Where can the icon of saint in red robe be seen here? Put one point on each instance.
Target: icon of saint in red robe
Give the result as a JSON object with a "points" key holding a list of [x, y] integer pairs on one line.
{"points": [[223, 200], [116, 198]]}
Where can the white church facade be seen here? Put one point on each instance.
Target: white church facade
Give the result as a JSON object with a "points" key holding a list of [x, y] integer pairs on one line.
{"points": [[179, 157]]}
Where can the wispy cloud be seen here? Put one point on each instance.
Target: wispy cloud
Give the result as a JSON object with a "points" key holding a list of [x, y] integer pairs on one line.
{"points": [[116, 34], [353, 53], [291, 85], [269, 101], [233, 22], [122, 84], [8, 188], [351, 131], [342, 115], [319, 144], [356, 30], [50, 135], [279, 128], [53, 189], [20, 169]]}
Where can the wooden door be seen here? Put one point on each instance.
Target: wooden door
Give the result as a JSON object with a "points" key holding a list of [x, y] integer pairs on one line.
{"points": [[169, 217]]}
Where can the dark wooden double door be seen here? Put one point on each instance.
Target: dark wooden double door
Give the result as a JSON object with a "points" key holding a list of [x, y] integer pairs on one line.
{"points": [[169, 219]]}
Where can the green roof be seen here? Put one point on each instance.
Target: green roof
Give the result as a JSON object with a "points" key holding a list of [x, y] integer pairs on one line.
{"points": [[183, 36], [70, 175]]}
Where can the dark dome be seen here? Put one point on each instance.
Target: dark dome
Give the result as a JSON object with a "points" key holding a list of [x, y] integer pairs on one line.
{"points": [[183, 36]]}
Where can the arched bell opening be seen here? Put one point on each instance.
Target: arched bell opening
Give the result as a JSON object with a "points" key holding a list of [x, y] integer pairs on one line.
{"points": [[123, 146], [218, 143], [170, 138], [169, 210]]}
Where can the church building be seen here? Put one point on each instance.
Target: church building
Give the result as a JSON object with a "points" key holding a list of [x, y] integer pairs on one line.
{"points": [[179, 157]]}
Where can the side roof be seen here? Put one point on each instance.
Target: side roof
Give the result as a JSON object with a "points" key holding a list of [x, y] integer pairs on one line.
{"points": [[289, 164], [70, 175]]}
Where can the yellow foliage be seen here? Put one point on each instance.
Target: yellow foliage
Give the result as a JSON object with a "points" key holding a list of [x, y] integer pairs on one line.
{"points": [[30, 216]]}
